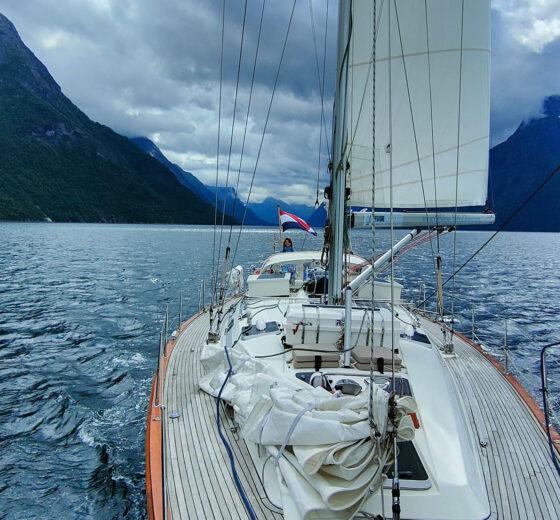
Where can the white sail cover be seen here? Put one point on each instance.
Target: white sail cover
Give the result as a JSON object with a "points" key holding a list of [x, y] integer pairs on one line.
{"points": [[444, 93]]}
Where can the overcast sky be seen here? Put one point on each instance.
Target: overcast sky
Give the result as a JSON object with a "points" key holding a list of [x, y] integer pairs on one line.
{"points": [[151, 67]]}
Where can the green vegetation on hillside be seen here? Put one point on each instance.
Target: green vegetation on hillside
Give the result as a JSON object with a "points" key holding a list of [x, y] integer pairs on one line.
{"points": [[55, 162]]}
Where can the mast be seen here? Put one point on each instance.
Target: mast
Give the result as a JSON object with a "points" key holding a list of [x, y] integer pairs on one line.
{"points": [[338, 179]]}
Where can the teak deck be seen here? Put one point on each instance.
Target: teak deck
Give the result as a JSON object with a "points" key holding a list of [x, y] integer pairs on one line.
{"points": [[520, 477], [199, 482]]}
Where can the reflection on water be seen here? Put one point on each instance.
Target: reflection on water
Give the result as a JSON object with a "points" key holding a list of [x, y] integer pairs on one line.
{"points": [[80, 311]]}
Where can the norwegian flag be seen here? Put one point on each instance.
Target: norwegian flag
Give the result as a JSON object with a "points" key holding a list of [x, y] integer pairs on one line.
{"points": [[290, 221]]}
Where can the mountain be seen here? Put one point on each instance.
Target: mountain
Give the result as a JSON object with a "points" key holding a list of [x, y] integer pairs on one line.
{"points": [[319, 216], [56, 163], [267, 209], [206, 193], [520, 164], [233, 203], [187, 179]]}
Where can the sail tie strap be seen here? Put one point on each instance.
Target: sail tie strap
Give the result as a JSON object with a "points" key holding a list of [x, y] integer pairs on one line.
{"points": [[295, 422]]}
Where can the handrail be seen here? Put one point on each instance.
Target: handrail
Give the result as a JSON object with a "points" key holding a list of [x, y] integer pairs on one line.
{"points": [[201, 297], [180, 311], [544, 389]]}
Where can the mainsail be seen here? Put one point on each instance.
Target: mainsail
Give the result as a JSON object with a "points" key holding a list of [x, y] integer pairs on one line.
{"points": [[432, 103]]}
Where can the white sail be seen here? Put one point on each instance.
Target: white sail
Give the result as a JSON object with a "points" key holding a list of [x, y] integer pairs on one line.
{"points": [[444, 93]]}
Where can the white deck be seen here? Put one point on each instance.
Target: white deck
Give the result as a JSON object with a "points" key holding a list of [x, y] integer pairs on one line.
{"points": [[520, 477]]}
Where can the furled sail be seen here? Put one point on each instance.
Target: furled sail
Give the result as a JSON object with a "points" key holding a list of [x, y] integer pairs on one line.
{"points": [[432, 103], [323, 456]]}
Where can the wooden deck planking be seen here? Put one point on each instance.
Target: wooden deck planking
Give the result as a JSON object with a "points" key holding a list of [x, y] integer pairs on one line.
{"points": [[503, 431], [203, 408], [184, 474], [199, 480], [209, 485], [520, 477], [529, 449]]}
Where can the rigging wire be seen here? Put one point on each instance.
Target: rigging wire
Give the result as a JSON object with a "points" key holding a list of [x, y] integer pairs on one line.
{"points": [[392, 400], [322, 92], [214, 263], [247, 115], [372, 424], [355, 130], [230, 149], [457, 171], [414, 128], [264, 131], [431, 117], [508, 220]]}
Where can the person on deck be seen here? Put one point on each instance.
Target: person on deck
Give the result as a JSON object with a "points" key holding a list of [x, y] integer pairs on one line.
{"points": [[288, 246]]}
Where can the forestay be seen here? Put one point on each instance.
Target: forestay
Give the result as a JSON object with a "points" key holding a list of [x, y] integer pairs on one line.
{"points": [[444, 92], [319, 444]]}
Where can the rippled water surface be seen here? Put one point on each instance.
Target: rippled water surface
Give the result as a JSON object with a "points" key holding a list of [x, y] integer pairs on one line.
{"points": [[80, 310]]}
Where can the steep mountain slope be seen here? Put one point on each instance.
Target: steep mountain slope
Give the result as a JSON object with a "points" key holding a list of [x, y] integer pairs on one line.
{"points": [[207, 193], [55, 162], [319, 217], [187, 179], [520, 164]]}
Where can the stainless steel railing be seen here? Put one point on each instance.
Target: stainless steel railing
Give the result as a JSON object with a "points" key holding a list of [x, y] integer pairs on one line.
{"points": [[158, 401], [548, 405]]}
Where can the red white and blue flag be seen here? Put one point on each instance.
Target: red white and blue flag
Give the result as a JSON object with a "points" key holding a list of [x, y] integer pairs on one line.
{"points": [[290, 221]]}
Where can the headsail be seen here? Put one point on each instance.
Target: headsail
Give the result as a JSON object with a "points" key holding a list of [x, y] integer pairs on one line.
{"points": [[439, 90]]}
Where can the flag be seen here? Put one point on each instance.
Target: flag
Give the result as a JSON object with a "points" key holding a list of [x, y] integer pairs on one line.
{"points": [[290, 221]]}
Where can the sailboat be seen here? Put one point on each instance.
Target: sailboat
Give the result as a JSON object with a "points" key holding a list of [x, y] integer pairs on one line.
{"points": [[317, 392]]}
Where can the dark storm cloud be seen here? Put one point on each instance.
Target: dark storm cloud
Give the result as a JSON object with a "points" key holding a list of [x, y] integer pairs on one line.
{"points": [[152, 68], [523, 74]]}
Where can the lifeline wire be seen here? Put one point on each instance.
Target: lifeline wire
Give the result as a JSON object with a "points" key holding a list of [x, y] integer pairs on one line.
{"points": [[513, 215]]}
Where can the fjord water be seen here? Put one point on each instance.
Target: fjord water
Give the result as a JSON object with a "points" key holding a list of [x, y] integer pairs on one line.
{"points": [[81, 306]]}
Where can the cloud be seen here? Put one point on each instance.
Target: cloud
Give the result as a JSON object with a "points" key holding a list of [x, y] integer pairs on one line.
{"points": [[144, 69], [533, 23], [153, 69], [521, 76]]}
